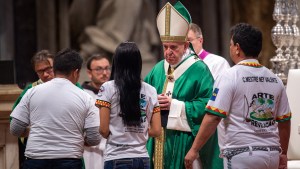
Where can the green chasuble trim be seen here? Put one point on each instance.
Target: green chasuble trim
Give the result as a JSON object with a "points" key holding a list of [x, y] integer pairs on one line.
{"points": [[194, 88]]}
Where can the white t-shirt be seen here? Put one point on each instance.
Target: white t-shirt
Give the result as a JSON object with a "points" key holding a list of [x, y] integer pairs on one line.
{"points": [[252, 100], [215, 63], [57, 112], [125, 141], [93, 155]]}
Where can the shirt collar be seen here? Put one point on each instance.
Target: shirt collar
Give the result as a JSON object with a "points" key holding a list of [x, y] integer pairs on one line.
{"points": [[250, 62]]}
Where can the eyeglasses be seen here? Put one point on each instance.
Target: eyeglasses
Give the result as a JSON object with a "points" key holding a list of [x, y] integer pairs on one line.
{"points": [[47, 70], [191, 40], [101, 70]]}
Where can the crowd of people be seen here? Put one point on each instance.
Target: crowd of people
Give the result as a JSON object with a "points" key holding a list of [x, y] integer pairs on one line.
{"points": [[192, 110]]}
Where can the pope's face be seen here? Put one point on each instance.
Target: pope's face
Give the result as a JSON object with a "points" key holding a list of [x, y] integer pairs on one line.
{"points": [[173, 51]]}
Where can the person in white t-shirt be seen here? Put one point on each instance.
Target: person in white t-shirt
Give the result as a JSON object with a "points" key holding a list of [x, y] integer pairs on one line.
{"points": [[98, 70], [55, 115], [215, 63], [129, 111], [250, 105]]}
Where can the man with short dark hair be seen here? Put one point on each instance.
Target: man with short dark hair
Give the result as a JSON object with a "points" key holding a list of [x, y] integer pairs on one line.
{"points": [[42, 63], [98, 70], [58, 114], [250, 107]]}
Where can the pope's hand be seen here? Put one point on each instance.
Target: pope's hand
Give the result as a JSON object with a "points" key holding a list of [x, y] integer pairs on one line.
{"points": [[164, 102], [190, 158]]}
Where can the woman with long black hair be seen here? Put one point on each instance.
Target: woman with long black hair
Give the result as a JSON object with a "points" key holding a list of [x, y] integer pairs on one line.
{"points": [[129, 111]]}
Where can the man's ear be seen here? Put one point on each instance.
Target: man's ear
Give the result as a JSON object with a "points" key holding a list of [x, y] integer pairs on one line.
{"points": [[201, 40], [74, 73], [89, 73], [237, 52]]}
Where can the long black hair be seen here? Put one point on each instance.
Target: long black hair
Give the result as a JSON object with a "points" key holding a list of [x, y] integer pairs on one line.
{"points": [[126, 71]]}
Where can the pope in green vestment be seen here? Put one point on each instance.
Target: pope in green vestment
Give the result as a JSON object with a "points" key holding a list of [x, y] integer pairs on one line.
{"points": [[194, 88], [184, 85]]}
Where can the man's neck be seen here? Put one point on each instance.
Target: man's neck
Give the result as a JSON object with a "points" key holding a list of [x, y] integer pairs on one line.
{"points": [[199, 51], [66, 77], [244, 58], [94, 85]]}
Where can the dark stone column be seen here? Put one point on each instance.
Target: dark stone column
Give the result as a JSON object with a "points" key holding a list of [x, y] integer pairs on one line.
{"points": [[46, 24], [6, 43], [25, 40]]}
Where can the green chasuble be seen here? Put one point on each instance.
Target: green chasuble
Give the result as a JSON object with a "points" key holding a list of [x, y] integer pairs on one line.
{"points": [[194, 88]]}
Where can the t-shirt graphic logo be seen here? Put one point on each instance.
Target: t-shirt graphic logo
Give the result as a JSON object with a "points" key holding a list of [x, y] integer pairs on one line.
{"points": [[261, 109], [260, 113]]}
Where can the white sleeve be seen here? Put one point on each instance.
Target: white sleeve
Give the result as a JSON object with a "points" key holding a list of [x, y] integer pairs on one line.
{"points": [[104, 96], [177, 107], [92, 119], [153, 103], [220, 101], [220, 67], [21, 111], [283, 112]]}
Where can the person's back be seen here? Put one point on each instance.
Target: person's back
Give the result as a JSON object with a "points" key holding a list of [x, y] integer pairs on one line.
{"points": [[257, 128], [216, 64], [249, 106], [55, 115], [129, 111], [128, 141], [59, 111], [98, 71]]}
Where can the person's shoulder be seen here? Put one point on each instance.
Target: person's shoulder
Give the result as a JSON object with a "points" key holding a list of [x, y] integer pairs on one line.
{"points": [[148, 86], [38, 86], [217, 58], [158, 67], [109, 85], [229, 73], [85, 85], [160, 62], [29, 86], [149, 89], [272, 77], [199, 64]]}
